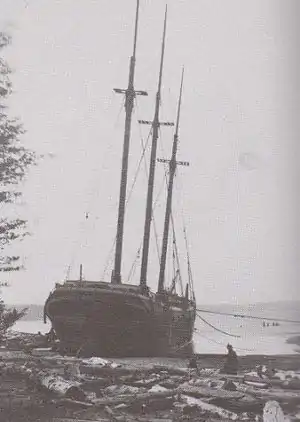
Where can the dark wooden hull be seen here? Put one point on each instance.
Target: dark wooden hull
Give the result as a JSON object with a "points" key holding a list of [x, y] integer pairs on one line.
{"points": [[100, 319]]}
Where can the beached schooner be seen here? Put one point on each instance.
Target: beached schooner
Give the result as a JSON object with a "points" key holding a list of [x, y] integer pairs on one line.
{"points": [[117, 319]]}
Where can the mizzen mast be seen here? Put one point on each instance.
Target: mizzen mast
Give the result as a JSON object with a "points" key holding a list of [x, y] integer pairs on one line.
{"points": [[172, 169], [130, 94], [155, 126]]}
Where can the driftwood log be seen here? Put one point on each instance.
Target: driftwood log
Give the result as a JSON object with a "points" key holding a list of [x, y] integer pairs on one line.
{"points": [[206, 407], [80, 420], [58, 385], [117, 418], [210, 392], [130, 398], [272, 394], [71, 403], [244, 404]]}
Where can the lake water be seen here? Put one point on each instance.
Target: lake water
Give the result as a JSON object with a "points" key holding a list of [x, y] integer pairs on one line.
{"points": [[247, 336]]}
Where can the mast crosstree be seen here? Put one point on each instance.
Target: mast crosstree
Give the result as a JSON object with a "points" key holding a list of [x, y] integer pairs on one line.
{"points": [[155, 126], [130, 94], [91, 317], [172, 167]]}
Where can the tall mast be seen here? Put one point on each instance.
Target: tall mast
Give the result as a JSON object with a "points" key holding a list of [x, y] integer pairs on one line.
{"points": [[155, 126], [130, 94], [172, 170]]}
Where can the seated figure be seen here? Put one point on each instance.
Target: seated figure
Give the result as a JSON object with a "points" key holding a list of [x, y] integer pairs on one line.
{"points": [[231, 363]]}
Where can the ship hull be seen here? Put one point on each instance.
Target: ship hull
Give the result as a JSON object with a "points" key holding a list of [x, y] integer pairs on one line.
{"points": [[110, 321]]}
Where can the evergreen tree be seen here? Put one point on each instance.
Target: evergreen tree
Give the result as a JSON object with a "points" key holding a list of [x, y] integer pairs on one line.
{"points": [[14, 161]]}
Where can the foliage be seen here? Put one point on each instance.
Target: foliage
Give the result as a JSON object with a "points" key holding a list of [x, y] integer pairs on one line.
{"points": [[14, 162], [8, 317]]}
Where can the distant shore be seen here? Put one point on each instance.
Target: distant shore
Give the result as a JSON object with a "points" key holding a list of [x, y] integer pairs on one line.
{"points": [[294, 340]]}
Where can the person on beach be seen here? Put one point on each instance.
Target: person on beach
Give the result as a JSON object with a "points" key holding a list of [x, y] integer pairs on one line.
{"points": [[193, 363], [231, 364]]}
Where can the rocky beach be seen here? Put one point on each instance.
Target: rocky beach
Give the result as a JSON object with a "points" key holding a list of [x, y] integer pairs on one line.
{"points": [[38, 384]]}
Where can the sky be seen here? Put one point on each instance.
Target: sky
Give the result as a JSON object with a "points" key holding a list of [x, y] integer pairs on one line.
{"points": [[238, 129]]}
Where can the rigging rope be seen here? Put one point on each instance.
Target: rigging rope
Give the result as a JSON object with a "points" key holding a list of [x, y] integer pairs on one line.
{"points": [[146, 172], [133, 267], [95, 187], [199, 333], [109, 258], [177, 255], [154, 205], [190, 274], [142, 159], [190, 277], [165, 179], [237, 315], [172, 221], [90, 204], [215, 328], [144, 146]]}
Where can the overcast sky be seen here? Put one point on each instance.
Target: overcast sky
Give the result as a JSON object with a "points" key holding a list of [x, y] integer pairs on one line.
{"points": [[238, 131]]}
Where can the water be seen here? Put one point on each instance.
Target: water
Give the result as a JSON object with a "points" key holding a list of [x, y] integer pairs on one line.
{"points": [[32, 326], [250, 337]]}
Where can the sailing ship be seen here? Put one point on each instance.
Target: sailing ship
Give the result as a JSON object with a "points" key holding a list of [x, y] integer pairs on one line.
{"points": [[99, 318]]}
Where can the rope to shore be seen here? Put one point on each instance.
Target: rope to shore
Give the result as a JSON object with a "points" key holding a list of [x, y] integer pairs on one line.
{"points": [[220, 343], [215, 328], [236, 315]]}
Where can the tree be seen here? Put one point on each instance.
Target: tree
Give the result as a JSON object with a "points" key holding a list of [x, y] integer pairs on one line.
{"points": [[15, 159]]}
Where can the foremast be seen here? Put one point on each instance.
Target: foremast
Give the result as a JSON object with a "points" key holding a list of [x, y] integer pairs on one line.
{"points": [[155, 126], [130, 94], [172, 171]]}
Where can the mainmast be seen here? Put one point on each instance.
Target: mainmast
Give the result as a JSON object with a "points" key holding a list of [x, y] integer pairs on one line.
{"points": [[155, 126], [130, 94], [172, 169]]}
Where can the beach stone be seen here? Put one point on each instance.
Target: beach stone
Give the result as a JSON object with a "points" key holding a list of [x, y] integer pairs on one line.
{"points": [[190, 410], [122, 389], [71, 371], [229, 385], [169, 384], [75, 393], [157, 388], [163, 403], [292, 384], [95, 384], [273, 413], [146, 382]]}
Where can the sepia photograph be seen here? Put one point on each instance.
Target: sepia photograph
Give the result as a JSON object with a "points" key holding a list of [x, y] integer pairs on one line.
{"points": [[149, 226]]}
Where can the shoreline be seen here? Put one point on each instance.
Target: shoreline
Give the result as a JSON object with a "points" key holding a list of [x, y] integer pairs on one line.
{"points": [[294, 340], [136, 389], [251, 337], [41, 385]]}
